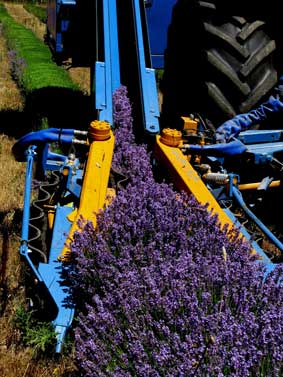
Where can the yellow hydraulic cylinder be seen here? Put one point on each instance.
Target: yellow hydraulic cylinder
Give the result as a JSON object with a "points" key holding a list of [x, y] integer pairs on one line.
{"points": [[95, 179]]}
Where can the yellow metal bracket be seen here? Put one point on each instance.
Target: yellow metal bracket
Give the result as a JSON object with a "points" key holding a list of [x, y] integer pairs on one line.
{"points": [[94, 192], [184, 175]]}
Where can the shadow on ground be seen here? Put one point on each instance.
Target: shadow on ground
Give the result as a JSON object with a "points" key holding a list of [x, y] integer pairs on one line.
{"points": [[52, 107]]}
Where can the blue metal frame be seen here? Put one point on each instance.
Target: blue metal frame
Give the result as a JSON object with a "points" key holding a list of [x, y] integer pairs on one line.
{"points": [[51, 274], [107, 73], [147, 78], [24, 249], [260, 136], [262, 144], [56, 25]]}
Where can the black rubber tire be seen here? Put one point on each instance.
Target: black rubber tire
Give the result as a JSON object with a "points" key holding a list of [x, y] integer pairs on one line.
{"points": [[229, 68]]}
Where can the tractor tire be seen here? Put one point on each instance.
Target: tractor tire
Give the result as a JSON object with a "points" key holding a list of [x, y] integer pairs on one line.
{"points": [[215, 65]]}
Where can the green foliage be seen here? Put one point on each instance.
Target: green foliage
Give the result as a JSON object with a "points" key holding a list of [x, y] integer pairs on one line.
{"points": [[37, 68], [42, 337], [159, 74], [22, 319], [38, 335], [38, 11]]}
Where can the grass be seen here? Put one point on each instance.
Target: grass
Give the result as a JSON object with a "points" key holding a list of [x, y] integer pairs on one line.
{"points": [[38, 335], [11, 178]]}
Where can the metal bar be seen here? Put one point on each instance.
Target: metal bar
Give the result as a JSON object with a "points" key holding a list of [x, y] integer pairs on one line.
{"points": [[238, 196], [27, 195], [147, 77], [269, 265], [107, 73], [24, 250], [255, 185]]}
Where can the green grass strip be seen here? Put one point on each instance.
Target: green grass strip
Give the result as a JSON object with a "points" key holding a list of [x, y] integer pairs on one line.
{"points": [[33, 59]]}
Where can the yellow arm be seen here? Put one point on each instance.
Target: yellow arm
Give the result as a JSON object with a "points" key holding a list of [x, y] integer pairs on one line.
{"points": [[95, 183], [186, 178]]}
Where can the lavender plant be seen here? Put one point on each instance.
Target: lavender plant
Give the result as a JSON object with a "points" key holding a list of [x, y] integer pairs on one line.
{"points": [[161, 290], [17, 65], [129, 158]]}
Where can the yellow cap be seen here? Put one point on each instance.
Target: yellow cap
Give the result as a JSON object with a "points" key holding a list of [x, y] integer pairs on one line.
{"points": [[99, 130], [171, 137]]}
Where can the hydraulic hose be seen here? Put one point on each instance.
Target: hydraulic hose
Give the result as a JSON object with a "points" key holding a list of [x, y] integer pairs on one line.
{"points": [[41, 137], [243, 122], [232, 148]]}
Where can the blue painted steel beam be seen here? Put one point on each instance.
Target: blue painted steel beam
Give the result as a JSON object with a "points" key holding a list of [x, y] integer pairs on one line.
{"points": [[260, 136], [68, 2], [263, 153], [51, 274], [147, 78], [30, 155], [107, 73], [24, 249]]}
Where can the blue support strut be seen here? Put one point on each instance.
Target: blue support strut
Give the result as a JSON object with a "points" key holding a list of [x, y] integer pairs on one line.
{"points": [[24, 250], [238, 196], [147, 78], [107, 73]]}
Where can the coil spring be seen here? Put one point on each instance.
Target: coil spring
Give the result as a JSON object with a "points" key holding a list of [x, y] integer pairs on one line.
{"points": [[217, 178], [37, 218], [118, 180]]}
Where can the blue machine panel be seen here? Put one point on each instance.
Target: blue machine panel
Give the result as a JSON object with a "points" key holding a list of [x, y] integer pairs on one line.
{"points": [[59, 14], [158, 14]]}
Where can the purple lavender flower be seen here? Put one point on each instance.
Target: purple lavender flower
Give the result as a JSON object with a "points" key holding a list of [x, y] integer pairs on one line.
{"points": [[161, 290], [17, 65]]}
